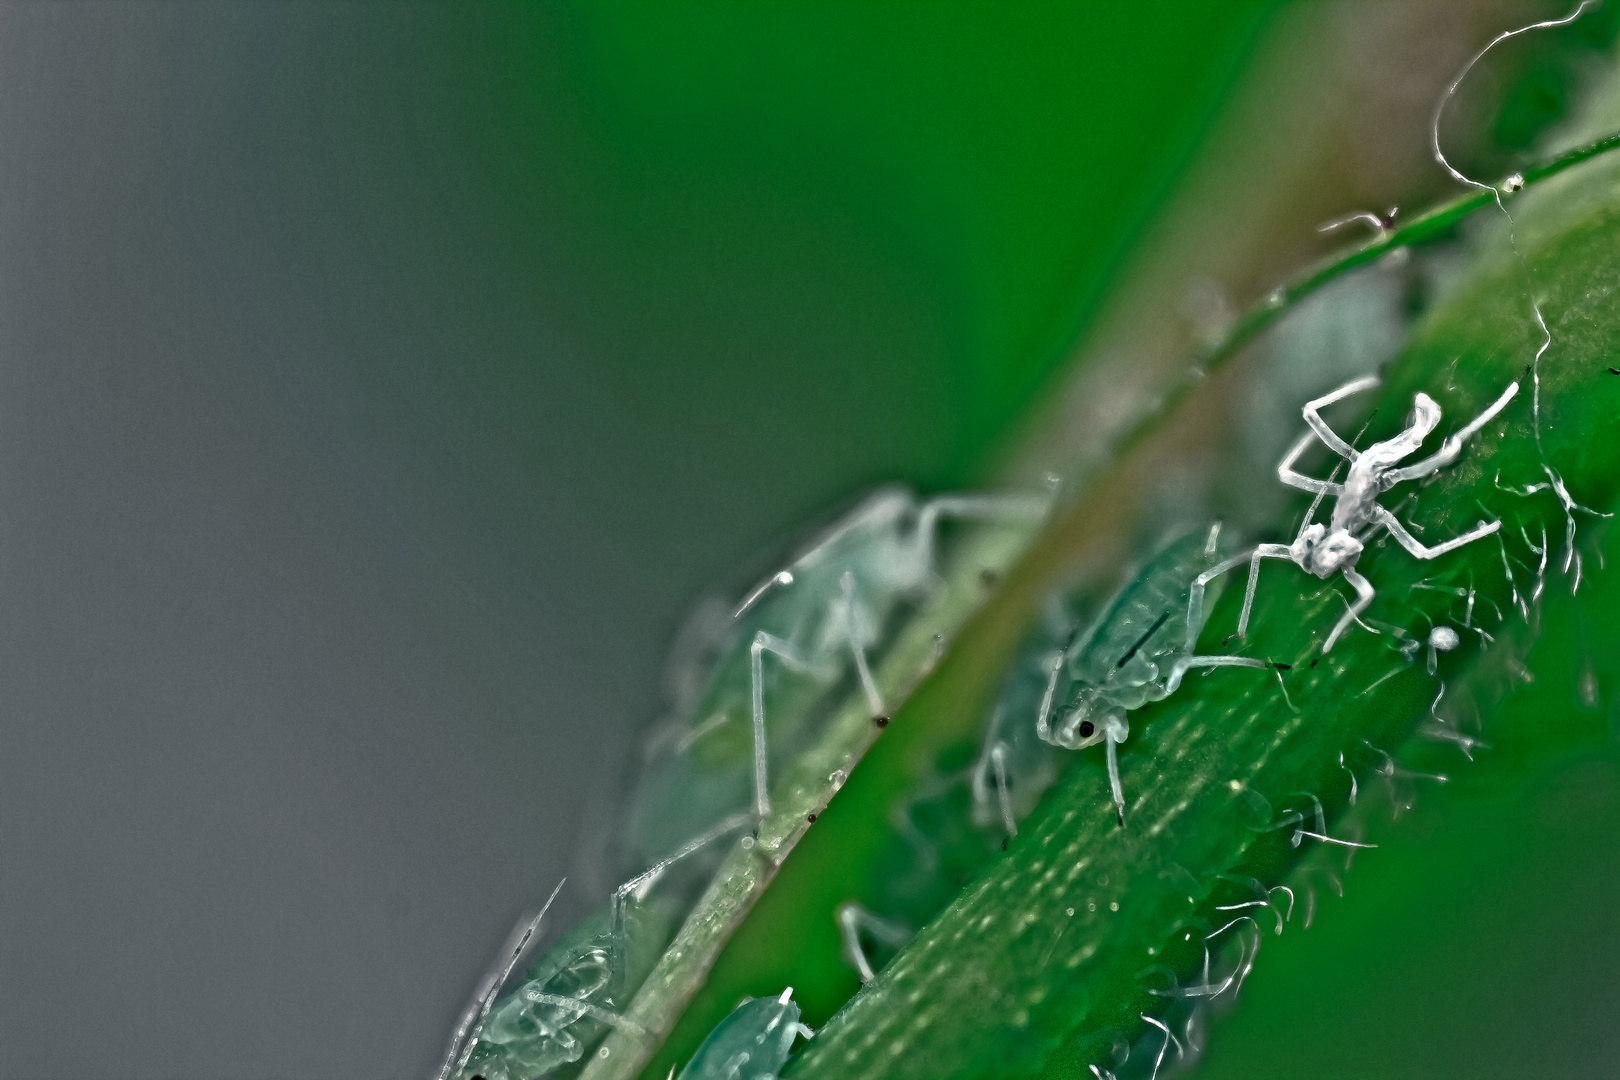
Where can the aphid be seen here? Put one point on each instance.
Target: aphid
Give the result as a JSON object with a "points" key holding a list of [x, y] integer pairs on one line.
{"points": [[1325, 550], [1137, 652], [579, 988], [752, 1043], [792, 639]]}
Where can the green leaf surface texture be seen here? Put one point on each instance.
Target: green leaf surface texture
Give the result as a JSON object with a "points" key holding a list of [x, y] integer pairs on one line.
{"points": [[1081, 928]]}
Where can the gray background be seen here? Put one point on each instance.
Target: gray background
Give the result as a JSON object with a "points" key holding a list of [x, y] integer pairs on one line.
{"points": [[347, 511]]}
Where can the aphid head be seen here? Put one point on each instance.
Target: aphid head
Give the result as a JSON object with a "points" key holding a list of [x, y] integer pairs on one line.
{"points": [[1082, 722], [1326, 553]]}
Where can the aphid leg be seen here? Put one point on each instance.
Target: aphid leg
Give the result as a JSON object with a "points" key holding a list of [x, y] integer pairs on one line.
{"points": [[1043, 727], [1005, 507], [1454, 442], [998, 761], [1364, 596], [638, 887], [1179, 669], [1195, 598], [1296, 479], [1263, 551], [1424, 551], [1313, 416], [1116, 731], [874, 700], [852, 920], [766, 643]]}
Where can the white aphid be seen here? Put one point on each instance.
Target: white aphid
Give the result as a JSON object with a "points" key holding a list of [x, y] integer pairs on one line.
{"points": [[802, 632], [1325, 550]]}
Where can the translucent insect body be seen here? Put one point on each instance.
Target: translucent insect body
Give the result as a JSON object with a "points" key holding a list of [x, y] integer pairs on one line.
{"points": [[799, 634], [1325, 550], [580, 987], [750, 1044], [1138, 651]]}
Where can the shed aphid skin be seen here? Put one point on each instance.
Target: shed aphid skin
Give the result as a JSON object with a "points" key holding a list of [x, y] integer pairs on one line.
{"points": [[1135, 653], [854, 921], [1325, 550], [472, 1018], [752, 696], [752, 1043], [578, 989]]}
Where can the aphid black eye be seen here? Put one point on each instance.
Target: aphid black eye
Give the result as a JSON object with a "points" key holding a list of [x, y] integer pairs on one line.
{"points": [[1086, 728], [1614, 371], [811, 819], [881, 721]]}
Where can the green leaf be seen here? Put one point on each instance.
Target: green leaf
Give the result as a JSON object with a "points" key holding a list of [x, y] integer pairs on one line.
{"points": [[1007, 981]]}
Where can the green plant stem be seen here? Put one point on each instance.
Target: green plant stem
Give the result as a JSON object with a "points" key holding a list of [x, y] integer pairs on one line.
{"points": [[1078, 930], [1432, 224], [747, 872]]}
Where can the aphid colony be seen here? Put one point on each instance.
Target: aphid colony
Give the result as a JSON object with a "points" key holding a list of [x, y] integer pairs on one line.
{"points": [[754, 690], [757, 681]]}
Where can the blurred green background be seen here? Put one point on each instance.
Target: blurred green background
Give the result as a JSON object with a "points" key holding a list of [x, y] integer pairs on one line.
{"points": [[383, 381]]}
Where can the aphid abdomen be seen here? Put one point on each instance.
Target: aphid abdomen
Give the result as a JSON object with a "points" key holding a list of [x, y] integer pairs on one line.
{"points": [[752, 1043], [1140, 634]]}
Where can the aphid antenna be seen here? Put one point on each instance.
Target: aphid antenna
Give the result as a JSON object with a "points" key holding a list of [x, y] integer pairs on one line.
{"points": [[471, 1022], [780, 579]]}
